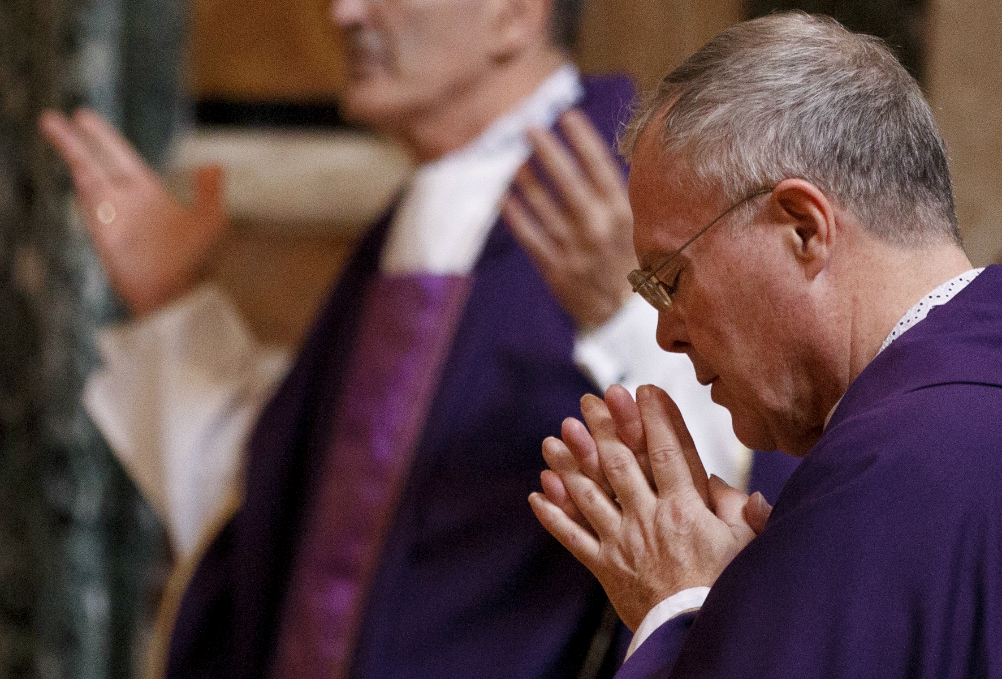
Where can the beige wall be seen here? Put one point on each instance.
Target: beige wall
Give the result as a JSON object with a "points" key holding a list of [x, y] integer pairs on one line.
{"points": [[649, 38], [264, 50], [965, 87]]}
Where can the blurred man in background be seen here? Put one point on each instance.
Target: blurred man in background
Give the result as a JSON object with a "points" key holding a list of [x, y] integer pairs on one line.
{"points": [[382, 528]]}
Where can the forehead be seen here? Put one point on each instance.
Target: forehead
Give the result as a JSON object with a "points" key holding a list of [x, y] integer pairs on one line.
{"points": [[664, 216]]}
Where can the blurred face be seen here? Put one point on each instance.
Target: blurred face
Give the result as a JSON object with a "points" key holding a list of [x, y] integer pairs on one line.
{"points": [[738, 312], [407, 57]]}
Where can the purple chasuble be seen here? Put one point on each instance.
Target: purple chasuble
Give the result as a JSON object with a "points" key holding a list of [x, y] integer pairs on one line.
{"points": [[407, 326]]}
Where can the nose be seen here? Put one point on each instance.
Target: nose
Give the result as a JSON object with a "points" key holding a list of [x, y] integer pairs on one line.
{"points": [[346, 13], [671, 333]]}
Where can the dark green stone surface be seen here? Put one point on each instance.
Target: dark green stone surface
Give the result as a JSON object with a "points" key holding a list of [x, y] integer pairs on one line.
{"points": [[82, 557]]}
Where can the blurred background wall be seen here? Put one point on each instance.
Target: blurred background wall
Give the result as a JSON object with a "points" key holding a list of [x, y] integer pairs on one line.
{"points": [[82, 558]]}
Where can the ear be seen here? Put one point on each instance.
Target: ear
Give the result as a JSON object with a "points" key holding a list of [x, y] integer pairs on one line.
{"points": [[520, 24], [810, 222]]}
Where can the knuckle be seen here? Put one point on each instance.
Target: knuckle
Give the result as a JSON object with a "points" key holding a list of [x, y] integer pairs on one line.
{"points": [[663, 454], [680, 515], [593, 495], [617, 463]]}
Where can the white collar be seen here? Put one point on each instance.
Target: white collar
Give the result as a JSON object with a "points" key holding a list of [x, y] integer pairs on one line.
{"points": [[451, 203], [938, 297]]}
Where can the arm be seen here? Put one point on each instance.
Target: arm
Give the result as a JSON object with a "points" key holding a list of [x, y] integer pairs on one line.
{"points": [[153, 247], [570, 212], [181, 386], [177, 395]]}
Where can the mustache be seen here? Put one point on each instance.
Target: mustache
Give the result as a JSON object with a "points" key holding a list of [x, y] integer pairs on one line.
{"points": [[364, 43]]}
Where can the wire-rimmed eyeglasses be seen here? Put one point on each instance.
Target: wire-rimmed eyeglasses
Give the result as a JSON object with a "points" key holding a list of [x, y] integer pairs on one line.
{"points": [[646, 283]]}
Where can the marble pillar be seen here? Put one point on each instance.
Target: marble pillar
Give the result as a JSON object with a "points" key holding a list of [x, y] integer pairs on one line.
{"points": [[82, 557]]}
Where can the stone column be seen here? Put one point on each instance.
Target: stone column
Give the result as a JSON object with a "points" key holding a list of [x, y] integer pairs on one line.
{"points": [[80, 552]]}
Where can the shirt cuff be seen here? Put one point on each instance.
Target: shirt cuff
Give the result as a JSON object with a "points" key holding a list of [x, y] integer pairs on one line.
{"points": [[682, 602], [621, 347]]}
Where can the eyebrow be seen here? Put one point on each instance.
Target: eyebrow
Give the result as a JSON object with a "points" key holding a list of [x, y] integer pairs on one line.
{"points": [[662, 260], [653, 259]]}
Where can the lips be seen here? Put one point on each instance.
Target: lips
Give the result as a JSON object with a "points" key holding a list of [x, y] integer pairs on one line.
{"points": [[706, 379]]}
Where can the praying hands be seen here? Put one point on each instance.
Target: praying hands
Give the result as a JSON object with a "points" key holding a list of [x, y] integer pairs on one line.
{"points": [[629, 498]]}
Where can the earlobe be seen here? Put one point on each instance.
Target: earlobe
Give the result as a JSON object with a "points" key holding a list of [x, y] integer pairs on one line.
{"points": [[810, 218]]}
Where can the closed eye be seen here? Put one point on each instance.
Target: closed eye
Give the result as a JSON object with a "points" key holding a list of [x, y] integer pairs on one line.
{"points": [[671, 287]]}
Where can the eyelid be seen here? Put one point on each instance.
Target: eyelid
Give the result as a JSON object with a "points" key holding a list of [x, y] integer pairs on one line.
{"points": [[663, 280]]}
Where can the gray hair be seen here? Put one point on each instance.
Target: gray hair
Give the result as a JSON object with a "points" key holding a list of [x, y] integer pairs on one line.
{"points": [[565, 22], [795, 95]]}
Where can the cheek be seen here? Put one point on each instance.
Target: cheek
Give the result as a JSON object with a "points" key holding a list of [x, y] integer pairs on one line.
{"points": [[439, 44]]}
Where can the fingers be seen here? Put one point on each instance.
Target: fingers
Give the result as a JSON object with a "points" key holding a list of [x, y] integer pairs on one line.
{"points": [[569, 533], [629, 426], [527, 232], [555, 492], [581, 444], [726, 502], [549, 215], [594, 503], [626, 415], [562, 168], [627, 480], [108, 144], [87, 173], [756, 512], [598, 162], [675, 464], [535, 221]]}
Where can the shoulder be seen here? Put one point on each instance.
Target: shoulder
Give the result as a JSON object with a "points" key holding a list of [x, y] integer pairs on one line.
{"points": [[908, 471]]}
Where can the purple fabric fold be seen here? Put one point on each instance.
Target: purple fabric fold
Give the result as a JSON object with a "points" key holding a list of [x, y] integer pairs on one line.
{"points": [[407, 326]]}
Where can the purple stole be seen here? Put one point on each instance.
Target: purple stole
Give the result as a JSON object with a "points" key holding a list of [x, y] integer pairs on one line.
{"points": [[406, 329]]}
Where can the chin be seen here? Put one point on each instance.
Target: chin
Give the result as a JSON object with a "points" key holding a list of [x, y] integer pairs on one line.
{"points": [[752, 431], [369, 102], [754, 438]]}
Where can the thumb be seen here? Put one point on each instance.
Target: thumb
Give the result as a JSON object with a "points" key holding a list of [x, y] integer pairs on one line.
{"points": [[726, 501], [757, 511]]}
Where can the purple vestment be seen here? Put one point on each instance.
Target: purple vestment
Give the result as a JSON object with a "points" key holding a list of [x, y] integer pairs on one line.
{"points": [[883, 556], [404, 336], [468, 584]]}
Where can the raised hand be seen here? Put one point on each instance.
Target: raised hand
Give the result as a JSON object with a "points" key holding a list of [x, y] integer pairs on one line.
{"points": [[580, 238], [153, 247], [644, 538]]}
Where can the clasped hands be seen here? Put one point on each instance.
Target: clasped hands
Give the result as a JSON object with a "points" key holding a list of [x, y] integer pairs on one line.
{"points": [[627, 495]]}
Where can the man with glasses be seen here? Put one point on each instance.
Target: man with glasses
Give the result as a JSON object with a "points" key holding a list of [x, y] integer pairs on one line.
{"points": [[795, 227]]}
